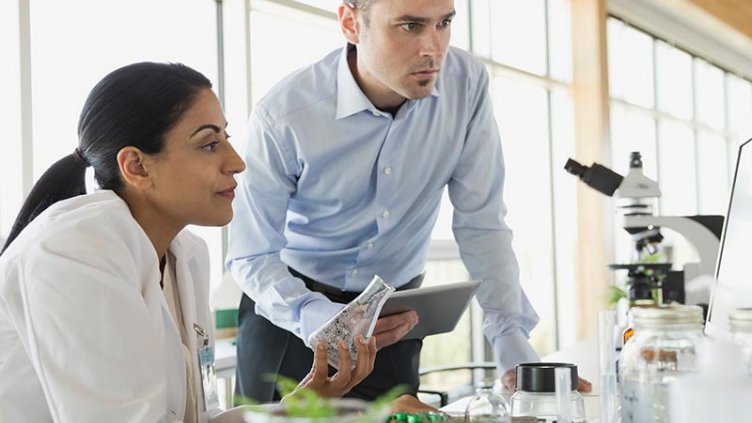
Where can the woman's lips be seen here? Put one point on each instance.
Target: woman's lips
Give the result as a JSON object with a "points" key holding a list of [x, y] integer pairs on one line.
{"points": [[228, 193]]}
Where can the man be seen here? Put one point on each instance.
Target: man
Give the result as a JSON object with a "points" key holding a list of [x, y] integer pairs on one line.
{"points": [[347, 161]]}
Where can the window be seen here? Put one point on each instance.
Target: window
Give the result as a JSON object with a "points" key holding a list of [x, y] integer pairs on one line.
{"points": [[535, 121], [11, 194], [685, 115], [67, 61]]}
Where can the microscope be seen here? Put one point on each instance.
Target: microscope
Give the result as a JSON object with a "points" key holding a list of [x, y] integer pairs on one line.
{"points": [[648, 280]]}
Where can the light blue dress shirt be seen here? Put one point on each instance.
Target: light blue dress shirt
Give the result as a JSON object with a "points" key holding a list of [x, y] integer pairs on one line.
{"points": [[339, 191]]}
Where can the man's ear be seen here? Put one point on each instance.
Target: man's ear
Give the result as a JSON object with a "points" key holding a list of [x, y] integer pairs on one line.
{"points": [[349, 22], [132, 168]]}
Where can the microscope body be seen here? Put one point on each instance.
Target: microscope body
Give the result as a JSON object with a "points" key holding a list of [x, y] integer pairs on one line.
{"points": [[636, 195], [703, 233]]}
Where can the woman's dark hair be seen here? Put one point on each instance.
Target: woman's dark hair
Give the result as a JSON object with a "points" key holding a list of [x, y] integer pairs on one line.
{"points": [[136, 106]]}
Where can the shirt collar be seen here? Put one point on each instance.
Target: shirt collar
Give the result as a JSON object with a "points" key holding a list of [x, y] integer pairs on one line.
{"points": [[350, 98]]}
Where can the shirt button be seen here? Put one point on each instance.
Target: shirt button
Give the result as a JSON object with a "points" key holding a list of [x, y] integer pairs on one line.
{"points": [[354, 272], [369, 246], [385, 214], [388, 170], [375, 113]]}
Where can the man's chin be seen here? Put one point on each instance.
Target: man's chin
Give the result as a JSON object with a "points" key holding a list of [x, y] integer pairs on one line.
{"points": [[420, 91]]}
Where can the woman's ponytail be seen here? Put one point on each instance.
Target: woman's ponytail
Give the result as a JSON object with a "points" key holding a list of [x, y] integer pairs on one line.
{"points": [[64, 179]]}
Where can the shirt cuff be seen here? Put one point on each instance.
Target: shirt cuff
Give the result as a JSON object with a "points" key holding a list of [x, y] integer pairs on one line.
{"points": [[314, 314], [511, 350]]}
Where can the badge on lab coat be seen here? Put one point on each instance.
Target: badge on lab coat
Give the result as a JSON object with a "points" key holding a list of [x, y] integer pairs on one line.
{"points": [[208, 377], [208, 373]]}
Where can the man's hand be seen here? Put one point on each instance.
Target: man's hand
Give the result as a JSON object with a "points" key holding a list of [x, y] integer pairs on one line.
{"points": [[390, 329], [346, 377], [410, 404], [509, 380]]}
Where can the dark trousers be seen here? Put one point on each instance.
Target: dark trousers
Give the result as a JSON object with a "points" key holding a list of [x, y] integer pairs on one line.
{"points": [[266, 350]]}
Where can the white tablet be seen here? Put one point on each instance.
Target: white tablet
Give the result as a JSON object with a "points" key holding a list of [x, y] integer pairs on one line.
{"points": [[439, 307]]}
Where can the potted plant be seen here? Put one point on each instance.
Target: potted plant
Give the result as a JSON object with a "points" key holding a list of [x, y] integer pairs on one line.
{"points": [[306, 406]]}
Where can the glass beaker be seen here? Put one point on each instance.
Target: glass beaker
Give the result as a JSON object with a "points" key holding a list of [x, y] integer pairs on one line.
{"points": [[357, 318], [486, 407]]}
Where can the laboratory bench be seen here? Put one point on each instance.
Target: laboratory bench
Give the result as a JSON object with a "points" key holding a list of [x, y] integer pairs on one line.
{"points": [[583, 353]]}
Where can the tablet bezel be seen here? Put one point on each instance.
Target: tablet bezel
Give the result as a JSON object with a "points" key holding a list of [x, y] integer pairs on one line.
{"points": [[439, 307]]}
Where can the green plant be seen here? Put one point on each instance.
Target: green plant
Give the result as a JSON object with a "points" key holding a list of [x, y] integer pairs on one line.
{"points": [[301, 402], [614, 294]]}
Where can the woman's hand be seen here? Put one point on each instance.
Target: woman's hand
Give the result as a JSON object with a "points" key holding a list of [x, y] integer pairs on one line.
{"points": [[410, 404], [346, 378]]}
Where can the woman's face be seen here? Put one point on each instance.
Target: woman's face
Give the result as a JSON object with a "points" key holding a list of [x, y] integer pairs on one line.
{"points": [[194, 175]]}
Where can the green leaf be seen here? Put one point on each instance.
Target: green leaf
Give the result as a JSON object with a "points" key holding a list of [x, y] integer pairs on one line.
{"points": [[614, 294], [381, 403]]}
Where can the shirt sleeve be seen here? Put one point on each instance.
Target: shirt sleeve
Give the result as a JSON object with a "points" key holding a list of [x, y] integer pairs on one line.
{"points": [[476, 191], [256, 235]]}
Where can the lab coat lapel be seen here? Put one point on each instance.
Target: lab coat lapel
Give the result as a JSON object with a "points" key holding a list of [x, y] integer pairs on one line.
{"points": [[188, 271], [184, 278]]}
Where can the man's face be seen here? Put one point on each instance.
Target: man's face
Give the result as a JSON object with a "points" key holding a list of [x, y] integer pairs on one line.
{"points": [[401, 45]]}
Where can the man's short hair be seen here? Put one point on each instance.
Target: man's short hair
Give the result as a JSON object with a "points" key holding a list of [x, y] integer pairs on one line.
{"points": [[363, 6]]}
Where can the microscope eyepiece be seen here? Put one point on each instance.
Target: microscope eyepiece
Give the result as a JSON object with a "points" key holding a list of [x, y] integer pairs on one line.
{"points": [[575, 168], [598, 177]]}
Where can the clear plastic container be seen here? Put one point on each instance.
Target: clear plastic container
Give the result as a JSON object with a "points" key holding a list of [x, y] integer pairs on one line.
{"points": [[487, 406], [357, 318], [662, 351], [536, 393], [740, 321]]}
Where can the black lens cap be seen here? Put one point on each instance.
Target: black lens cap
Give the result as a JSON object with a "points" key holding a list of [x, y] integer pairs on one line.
{"points": [[541, 377]]}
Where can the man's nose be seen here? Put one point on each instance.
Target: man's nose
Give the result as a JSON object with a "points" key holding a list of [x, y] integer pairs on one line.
{"points": [[432, 43]]}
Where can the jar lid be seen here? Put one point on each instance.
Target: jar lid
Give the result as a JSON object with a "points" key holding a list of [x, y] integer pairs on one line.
{"points": [[741, 319], [674, 314], [541, 377]]}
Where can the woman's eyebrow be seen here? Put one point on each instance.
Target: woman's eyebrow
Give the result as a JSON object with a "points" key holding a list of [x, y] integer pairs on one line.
{"points": [[213, 127]]}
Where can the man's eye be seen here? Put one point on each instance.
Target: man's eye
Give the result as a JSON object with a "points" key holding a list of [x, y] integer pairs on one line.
{"points": [[445, 23], [410, 26]]}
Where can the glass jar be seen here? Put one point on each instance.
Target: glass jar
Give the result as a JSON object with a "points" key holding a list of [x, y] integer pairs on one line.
{"points": [[740, 321], [486, 407], [536, 392], [662, 350]]}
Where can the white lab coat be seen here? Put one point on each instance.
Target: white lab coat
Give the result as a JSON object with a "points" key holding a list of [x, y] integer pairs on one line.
{"points": [[85, 333]]}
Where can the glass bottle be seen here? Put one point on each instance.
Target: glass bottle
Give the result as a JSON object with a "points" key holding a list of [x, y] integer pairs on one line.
{"points": [[486, 406], [740, 320], [357, 318], [662, 350]]}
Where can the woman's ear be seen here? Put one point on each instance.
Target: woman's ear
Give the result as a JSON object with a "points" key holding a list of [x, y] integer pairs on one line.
{"points": [[348, 22], [131, 162]]}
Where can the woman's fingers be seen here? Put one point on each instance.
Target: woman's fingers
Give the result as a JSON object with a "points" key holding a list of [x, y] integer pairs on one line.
{"points": [[347, 376], [320, 363], [341, 379], [364, 364], [372, 351]]}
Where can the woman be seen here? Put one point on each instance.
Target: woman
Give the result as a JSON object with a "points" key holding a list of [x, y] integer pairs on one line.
{"points": [[104, 312]]}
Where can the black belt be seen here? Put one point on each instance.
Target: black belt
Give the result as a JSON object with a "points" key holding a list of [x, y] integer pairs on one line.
{"points": [[338, 296]]}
